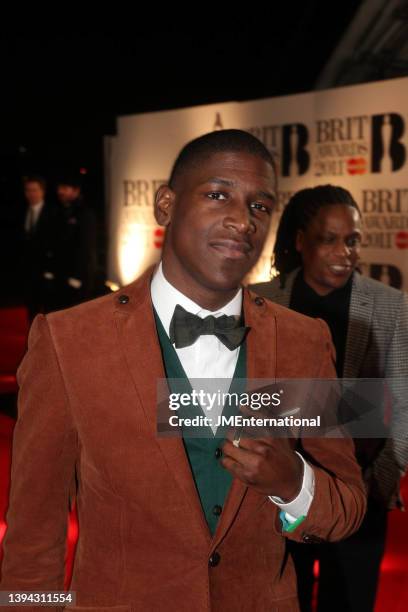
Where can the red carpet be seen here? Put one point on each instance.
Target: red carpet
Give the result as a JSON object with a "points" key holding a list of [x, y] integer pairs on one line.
{"points": [[14, 326], [393, 588]]}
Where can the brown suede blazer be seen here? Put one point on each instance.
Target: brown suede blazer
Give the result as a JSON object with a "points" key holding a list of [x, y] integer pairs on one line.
{"points": [[87, 405]]}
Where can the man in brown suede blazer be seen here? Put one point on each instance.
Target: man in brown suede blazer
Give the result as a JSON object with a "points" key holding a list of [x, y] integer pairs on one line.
{"points": [[87, 409]]}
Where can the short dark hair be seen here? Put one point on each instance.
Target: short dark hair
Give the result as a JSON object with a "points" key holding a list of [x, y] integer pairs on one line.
{"points": [[219, 141], [299, 211], [35, 178], [72, 180]]}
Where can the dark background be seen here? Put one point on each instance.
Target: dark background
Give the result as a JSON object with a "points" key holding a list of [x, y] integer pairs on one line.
{"points": [[63, 85]]}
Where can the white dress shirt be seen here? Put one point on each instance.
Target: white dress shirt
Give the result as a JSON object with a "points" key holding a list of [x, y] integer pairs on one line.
{"points": [[207, 357], [33, 212], [210, 358]]}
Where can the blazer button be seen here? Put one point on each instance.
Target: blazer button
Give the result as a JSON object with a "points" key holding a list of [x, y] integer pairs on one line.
{"points": [[259, 301], [123, 299], [218, 453], [217, 510], [214, 559], [311, 539]]}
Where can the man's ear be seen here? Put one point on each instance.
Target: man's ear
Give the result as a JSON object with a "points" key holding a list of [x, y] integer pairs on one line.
{"points": [[163, 205], [300, 236]]}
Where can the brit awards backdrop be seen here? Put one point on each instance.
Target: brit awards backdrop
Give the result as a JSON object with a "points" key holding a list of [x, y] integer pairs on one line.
{"points": [[351, 136]]}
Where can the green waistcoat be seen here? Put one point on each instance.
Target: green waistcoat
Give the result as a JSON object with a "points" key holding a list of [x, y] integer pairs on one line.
{"points": [[211, 479]]}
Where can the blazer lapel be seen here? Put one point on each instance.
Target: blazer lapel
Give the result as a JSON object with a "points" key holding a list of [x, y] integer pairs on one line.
{"points": [[261, 363], [136, 326], [360, 316]]}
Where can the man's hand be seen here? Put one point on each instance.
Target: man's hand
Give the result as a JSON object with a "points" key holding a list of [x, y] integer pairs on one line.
{"points": [[269, 465]]}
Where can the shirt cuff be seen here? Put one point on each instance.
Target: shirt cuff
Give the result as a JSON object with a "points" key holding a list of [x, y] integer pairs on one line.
{"points": [[300, 505]]}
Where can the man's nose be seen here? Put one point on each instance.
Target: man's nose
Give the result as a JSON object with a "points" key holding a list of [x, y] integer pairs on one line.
{"points": [[342, 249], [239, 217]]}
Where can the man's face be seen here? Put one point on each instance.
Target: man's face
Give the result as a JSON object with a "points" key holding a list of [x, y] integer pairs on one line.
{"points": [[67, 193], [34, 193], [330, 247], [217, 219]]}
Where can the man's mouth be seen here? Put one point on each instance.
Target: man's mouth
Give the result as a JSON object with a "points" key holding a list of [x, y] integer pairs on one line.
{"points": [[232, 249], [340, 269]]}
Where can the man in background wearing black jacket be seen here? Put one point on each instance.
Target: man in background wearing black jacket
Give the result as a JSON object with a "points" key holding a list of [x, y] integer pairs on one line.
{"points": [[76, 261], [38, 232]]}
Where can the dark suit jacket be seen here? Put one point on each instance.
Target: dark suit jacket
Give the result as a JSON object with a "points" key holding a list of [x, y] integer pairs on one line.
{"points": [[39, 245], [88, 405], [37, 251], [77, 251]]}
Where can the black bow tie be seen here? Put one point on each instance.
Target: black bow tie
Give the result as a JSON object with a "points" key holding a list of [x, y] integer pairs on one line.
{"points": [[186, 328]]}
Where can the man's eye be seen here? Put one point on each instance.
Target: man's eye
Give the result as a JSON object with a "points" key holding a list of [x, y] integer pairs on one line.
{"points": [[216, 195], [261, 207], [353, 242], [328, 239]]}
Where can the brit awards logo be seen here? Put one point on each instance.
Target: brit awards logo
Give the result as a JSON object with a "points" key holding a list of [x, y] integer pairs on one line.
{"points": [[360, 144]]}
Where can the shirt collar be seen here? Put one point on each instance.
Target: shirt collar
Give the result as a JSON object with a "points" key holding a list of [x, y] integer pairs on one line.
{"points": [[165, 298], [36, 207]]}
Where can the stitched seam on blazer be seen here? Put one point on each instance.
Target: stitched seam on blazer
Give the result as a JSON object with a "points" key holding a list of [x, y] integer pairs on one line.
{"points": [[68, 404]]}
